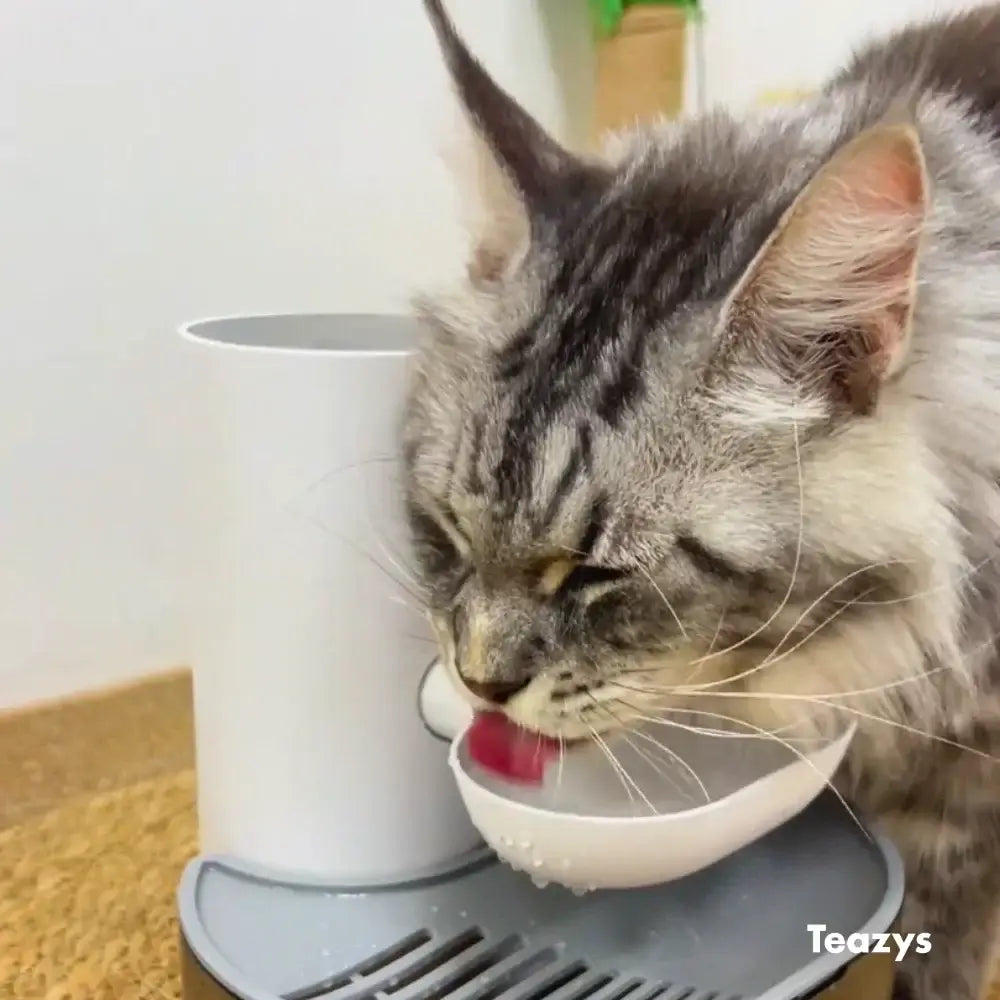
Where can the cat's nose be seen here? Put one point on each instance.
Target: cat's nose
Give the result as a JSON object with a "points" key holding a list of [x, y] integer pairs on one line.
{"points": [[497, 692]]}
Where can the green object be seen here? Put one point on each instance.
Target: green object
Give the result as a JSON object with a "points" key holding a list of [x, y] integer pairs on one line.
{"points": [[607, 14]]}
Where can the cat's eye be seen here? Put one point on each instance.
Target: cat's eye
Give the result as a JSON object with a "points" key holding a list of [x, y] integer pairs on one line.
{"points": [[586, 575], [440, 552], [705, 559]]}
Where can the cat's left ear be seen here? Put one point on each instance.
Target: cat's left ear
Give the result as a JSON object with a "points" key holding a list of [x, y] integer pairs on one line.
{"points": [[517, 176], [829, 299]]}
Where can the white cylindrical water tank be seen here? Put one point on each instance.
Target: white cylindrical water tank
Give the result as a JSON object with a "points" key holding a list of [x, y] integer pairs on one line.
{"points": [[312, 758]]}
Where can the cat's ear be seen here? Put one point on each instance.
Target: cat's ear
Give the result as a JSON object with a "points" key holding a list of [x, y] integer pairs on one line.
{"points": [[829, 299], [514, 171]]}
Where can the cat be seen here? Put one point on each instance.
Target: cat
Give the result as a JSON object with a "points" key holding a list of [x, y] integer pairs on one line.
{"points": [[710, 422]]}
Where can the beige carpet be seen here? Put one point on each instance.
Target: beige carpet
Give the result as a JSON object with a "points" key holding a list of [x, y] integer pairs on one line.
{"points": [[97, 821]]}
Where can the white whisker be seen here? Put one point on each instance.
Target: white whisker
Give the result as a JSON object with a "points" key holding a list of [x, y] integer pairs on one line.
{"points": [[409, 605], [656, 765], [876, 689], [798, 753], [795, 566], [698, 664], [930, 591], [416, 596], [770, 658], [669, 606], [850, 709], [595, 736], [674, 756], [722, 734], [406, 573], [677, 758], [623, 773]]}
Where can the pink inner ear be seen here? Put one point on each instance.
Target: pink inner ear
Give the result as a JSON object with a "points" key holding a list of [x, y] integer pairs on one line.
{"points": [[828, 301], [886, 180], [904, 182], [890, 192]]}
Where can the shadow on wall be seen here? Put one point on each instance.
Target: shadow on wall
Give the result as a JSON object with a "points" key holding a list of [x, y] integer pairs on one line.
{"points": [[571, 45]]}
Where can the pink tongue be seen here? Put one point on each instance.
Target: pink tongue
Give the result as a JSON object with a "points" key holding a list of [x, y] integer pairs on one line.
{"points": [[498, 745]]}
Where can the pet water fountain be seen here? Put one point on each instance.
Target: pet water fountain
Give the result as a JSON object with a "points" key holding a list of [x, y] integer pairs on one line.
{"points": [[351, 846]]}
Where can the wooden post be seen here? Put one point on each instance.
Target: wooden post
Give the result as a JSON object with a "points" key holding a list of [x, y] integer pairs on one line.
{"points": [[641, 68]]}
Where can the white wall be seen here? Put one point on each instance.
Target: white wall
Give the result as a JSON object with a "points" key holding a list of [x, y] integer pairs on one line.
{"points": [[164, 160], [755, 47]]}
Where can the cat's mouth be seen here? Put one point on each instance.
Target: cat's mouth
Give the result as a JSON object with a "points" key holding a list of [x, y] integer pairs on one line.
{"points": [[512, 750]]}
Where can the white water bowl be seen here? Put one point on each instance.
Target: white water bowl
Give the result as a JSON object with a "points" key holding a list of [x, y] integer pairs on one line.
{"points": [[582, 829]]}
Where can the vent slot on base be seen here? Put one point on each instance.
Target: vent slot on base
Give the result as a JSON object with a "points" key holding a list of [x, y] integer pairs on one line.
{"points": [[468, 966]]}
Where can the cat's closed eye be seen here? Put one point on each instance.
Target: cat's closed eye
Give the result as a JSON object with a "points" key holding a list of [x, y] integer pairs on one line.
{"points": [[586, 575], [705, 559], [441, 551]]}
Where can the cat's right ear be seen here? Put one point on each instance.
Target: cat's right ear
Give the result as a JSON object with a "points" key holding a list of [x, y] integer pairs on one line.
{"points": [[517, 172], [828, 303]]}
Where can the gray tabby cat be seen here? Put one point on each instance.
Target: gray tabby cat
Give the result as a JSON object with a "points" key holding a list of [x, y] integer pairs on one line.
{"points": [[713, 424]]}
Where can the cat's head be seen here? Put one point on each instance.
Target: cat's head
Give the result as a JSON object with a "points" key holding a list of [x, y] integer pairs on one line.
{"points": [[658, 418]]}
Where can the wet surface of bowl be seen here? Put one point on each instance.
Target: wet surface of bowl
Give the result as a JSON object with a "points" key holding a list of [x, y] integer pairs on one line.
{"points": [[647, 818]]}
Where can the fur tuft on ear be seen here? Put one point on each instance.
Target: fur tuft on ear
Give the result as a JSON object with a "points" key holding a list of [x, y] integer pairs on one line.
{"points": [[521, 147], [828, 302], [520, 175]]}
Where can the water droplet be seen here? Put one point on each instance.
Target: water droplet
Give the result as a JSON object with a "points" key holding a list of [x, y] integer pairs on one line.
{"points": [[463, 914], [434, 909], [539, 883]]}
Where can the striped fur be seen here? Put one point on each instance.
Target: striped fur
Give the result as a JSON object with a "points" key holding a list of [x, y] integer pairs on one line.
{"points": [[734, 386]]}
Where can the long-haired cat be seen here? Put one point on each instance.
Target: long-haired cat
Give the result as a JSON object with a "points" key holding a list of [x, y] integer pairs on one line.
{"points": [[714, 424]]}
